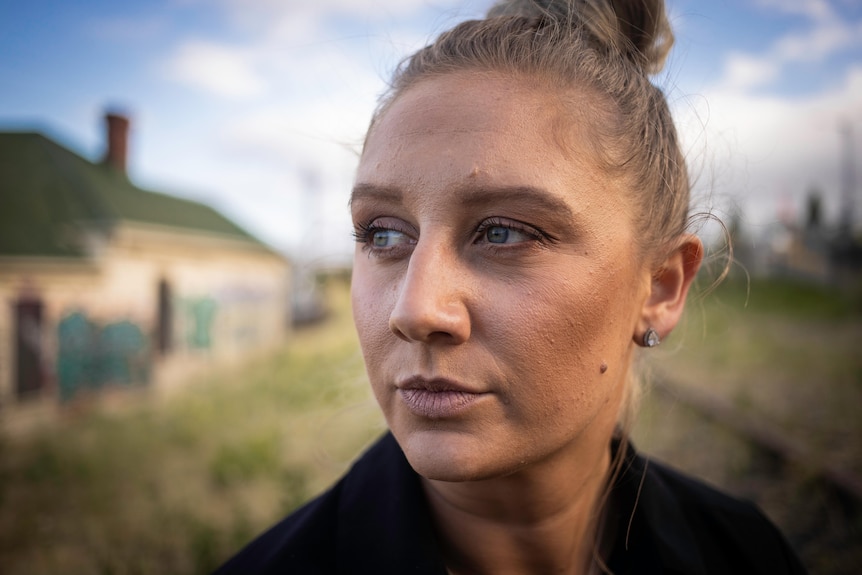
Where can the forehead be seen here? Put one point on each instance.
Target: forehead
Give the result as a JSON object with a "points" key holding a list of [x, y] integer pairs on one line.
{"points": [[503, 129], [470, 100]]}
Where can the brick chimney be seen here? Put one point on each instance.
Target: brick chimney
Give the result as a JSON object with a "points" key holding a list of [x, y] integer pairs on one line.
{"points": [[118, 141]]}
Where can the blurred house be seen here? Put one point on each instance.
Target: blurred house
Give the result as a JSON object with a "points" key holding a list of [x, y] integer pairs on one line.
{"points": [[105, 284]]}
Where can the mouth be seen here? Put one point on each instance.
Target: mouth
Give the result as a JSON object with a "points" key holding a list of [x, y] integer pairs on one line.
{"points": [[436, 398]]}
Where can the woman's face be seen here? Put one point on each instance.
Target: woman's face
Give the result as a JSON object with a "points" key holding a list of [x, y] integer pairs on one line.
{"points": [[496, 287]]}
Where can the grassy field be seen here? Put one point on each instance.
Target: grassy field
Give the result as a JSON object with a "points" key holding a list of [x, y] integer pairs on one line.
{"points": [[787, 356], [175, 483], [790, 354]]}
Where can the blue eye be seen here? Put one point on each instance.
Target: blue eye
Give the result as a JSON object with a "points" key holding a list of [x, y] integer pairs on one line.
{"points": [[387, 238], [505, 235], [497, 234]]}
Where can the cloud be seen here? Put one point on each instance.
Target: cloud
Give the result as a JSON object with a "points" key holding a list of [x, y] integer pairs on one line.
{"points": [[274, 40], [295, 167], [265, 12], [743, 72], [818, 10], [216, 68], [819, 43], [762, 151], [295, 88], [295, 23], [827, 36]]}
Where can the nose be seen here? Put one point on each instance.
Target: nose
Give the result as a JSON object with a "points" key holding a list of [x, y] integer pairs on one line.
{"points": [[431, 305]]}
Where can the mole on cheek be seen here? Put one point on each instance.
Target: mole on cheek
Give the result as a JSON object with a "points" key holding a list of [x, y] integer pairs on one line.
{"points": [[604, 367]]}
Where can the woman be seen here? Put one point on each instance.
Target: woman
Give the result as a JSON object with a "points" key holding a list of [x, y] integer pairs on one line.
{"points": [[520, 211]]}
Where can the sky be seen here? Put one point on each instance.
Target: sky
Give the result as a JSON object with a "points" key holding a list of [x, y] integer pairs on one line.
{"points": [[258, 107]]}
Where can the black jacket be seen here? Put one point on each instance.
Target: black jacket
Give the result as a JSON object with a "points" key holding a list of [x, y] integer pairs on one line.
{"points": [[375, 521]]}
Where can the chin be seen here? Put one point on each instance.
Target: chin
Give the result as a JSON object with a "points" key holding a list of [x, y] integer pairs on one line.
{"points": [[451, 456]]}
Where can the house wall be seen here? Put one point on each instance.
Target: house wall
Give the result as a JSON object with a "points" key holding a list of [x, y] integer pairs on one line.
{"points": [[228, 299], [50, 281]]}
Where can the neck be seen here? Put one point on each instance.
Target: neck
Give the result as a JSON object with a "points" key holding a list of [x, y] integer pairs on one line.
{"points": [[541, 520]]}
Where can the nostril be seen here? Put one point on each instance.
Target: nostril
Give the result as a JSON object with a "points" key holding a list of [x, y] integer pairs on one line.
{"points": [[393, 327], [430, 323]]}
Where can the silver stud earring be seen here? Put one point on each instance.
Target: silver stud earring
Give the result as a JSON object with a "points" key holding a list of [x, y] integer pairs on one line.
{"points": [[651, 338]]}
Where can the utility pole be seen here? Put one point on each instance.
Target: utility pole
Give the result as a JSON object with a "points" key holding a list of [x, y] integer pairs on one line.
{"points": [[848, 181]]}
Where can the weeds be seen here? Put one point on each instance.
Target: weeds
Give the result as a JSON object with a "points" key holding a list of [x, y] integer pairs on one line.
{"points": [[251, 458], [178, 485]]}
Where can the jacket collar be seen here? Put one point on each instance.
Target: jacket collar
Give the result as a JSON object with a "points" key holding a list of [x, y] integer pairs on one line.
{"points": [[652, 534], [384, 523]]}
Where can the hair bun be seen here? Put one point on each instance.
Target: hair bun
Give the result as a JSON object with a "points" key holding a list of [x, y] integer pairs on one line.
{"points": [[639, 29]]}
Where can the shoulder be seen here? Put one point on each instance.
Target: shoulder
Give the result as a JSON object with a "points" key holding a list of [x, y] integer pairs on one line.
{"points": [[699, 529], [719, 521], [302, 541]]}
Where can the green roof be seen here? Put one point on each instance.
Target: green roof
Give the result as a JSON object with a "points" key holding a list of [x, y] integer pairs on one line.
{"points": [[48, 194]]}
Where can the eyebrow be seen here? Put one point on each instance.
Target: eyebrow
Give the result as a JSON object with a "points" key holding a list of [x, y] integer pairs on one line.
{"points": [[529, 197], [362, 191]]}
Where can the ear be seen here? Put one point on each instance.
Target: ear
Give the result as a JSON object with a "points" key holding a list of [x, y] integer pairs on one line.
{"points": [[669, 286]]}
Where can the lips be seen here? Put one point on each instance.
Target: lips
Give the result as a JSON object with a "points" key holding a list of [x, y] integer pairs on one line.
{"points": [[436, 398]]}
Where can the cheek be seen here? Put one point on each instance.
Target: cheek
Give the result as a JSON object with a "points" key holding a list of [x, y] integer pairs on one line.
{"points": [[371, 299], [566, 317], [568, 332]]}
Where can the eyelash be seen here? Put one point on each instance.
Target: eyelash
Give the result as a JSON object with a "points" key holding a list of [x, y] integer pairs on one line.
{"points": [[534, 233], [364, 232]]}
